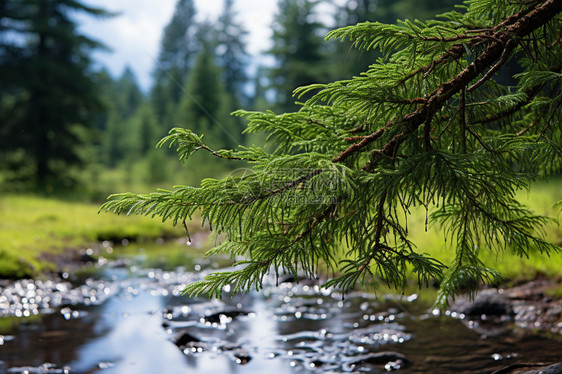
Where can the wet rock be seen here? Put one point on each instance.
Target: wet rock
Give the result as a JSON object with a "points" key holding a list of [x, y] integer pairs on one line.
{"points": [[487, 302], [228, 347], [225, 316], [289, 278], [527, 304], [552, 369], [242, 357], [534, 309], [316, 364], [87, 259], [185, 339], [379, 358]]}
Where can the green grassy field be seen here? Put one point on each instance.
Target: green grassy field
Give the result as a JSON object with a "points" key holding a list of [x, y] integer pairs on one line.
{"points": [[34, 228], [540, 199]]}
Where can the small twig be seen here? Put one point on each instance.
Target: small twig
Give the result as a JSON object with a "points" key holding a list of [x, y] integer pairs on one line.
{"points": [[479, 139], [462, 110], [360, 128], [216, 154], [503, 58], [525, 129], [549, 121], [316, 122], [365, 140]]}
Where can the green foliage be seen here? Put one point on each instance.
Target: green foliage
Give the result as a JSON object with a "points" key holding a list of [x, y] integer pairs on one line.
{"points": [[35, 230], [383, 11], [232, 53], [297, 49], [205, 102], [48, 91], [178, 46], [426, 126]]}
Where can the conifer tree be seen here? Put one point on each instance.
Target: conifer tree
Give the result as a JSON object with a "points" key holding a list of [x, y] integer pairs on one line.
{"points": [[427, 125], [48, 91], [178, 49], [204, 98], [231, 54], [297, 49], [129, 95], [232, 58], [384, 11], [123, 100]]}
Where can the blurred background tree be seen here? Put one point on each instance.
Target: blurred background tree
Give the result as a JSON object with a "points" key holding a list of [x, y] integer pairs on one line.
{"points": [[48, 92], [57, 111], [298, 49]]}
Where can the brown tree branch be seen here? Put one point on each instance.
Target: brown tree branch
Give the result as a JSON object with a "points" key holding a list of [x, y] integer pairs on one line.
{"points": [[515, 26]]}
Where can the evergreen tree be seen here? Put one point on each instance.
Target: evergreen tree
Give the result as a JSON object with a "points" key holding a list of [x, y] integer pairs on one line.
{"points": [[425, 126], [231, 53], [297, 48], [178, 49], [349, 61], [204, 104], [129, 95], [47, 87], [232, 58], [145, 130], [123, 99]]}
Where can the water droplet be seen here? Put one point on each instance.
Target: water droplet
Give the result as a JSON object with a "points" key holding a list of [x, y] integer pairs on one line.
{"points": [[497, 356]]}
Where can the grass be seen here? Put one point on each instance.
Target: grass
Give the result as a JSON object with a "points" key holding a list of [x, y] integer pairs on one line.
{"points": [[33, 229], [540, 199]]}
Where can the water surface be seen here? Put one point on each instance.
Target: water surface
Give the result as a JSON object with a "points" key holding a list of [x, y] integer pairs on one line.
{"points": [[126, 318]]}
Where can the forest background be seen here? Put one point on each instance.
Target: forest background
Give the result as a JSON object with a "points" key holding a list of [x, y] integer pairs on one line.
{"points": [[73, 131], [68, 129]]}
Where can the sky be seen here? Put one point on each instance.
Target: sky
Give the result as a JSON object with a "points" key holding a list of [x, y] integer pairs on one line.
{"points": [[134, 35]]}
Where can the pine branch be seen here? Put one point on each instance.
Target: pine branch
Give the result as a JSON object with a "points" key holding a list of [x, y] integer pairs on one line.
{"points": [[348, 167], [518, 25]]}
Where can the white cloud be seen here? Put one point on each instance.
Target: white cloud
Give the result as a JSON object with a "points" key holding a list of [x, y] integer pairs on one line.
{"points": [[134, 35]]}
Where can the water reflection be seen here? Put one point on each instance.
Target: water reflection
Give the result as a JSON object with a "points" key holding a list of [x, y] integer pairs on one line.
{"points": [[134, 320]]}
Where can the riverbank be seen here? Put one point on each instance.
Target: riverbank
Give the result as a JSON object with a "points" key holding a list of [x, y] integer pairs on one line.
{"points": [[35, 231], [129, 317]]}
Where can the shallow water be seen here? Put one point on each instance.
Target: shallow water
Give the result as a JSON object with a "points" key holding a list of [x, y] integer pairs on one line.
{"points": [[127, 319]]}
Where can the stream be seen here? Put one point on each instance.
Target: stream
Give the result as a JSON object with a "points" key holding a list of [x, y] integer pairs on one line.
{"points": [[130, 317]]}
